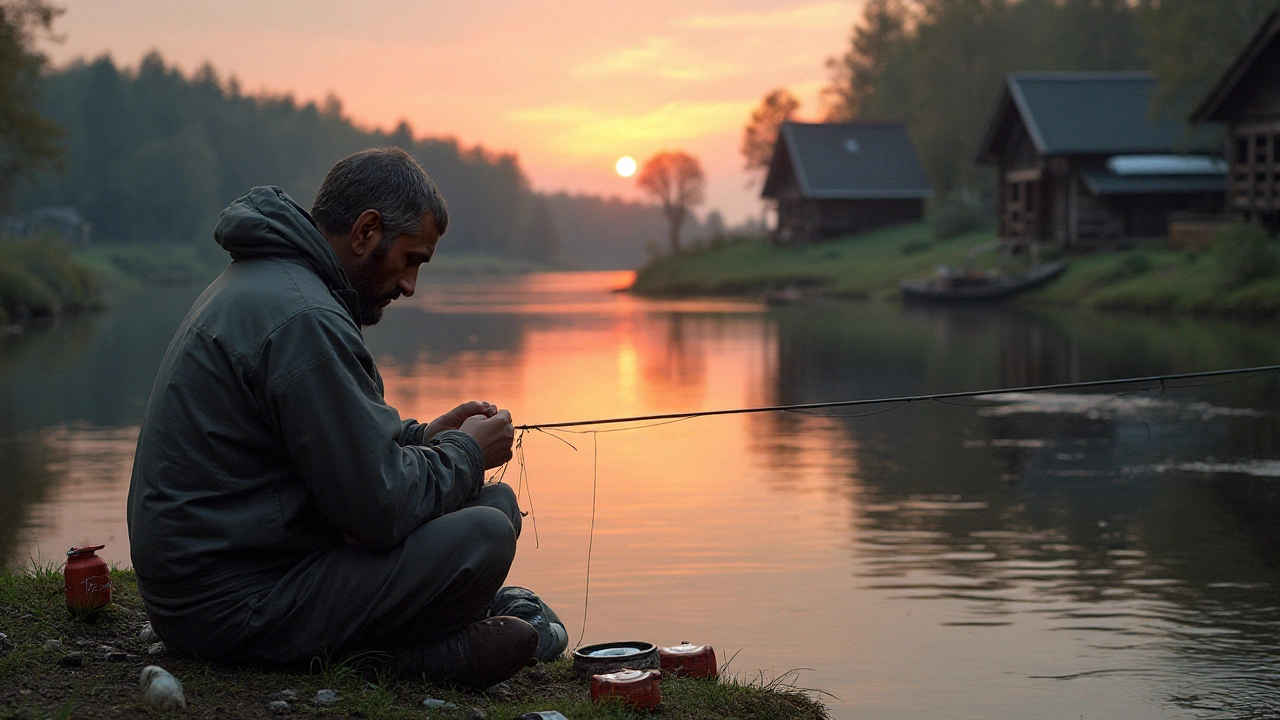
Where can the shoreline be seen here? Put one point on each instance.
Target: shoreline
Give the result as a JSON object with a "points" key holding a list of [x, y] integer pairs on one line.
{"points": [[1147, 278]]}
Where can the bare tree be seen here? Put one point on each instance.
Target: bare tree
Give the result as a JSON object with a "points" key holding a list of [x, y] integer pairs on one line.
{"points": [[761, 132], [676, 180]]}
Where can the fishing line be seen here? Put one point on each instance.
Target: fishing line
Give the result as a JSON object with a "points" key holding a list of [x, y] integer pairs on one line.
{"points": [[906, 399], [591, 536], [554, 429]]}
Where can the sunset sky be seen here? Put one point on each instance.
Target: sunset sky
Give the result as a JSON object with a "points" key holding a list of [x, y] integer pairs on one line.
{"points": [[570, 86]]}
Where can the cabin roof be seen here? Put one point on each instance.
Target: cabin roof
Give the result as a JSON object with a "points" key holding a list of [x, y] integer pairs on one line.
{"points": [[1239, 77], [847, 161], [1084, 113]]}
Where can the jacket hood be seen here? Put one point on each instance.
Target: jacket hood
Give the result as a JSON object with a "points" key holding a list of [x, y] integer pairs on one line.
{"points": [[265, 222]]}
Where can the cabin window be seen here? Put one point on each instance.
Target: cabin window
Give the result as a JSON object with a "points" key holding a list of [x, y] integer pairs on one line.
{"points": [[1242, 150], [1260, 149], [1031, 199], [1275, 149], [1013, 191]]}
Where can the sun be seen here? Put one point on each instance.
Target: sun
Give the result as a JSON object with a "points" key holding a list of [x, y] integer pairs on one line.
{"points": [[626, 166]]}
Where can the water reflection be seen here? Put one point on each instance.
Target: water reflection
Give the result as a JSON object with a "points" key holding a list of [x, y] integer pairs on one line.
{"points": [[1069, 554]]}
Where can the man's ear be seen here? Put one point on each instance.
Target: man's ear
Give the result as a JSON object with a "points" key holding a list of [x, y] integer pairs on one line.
{"points": [[366, 232]]}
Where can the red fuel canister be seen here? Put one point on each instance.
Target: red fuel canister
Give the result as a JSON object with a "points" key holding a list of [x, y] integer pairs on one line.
{"points": [[695, 661], [641, 688], [88, 581]]}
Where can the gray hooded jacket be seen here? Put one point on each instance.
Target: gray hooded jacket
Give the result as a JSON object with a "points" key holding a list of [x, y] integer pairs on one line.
{"points": [[266, 437]]}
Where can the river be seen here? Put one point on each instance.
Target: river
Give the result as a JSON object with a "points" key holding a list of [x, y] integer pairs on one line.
{"points": [[1065, 555]]}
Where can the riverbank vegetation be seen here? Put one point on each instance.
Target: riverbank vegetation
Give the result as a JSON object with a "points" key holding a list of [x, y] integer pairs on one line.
{"points": [[35, 682], [1238, 273], [40, 279]]}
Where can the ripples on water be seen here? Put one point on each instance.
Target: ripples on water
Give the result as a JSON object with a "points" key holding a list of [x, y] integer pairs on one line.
{"points": [[1040, 555]]}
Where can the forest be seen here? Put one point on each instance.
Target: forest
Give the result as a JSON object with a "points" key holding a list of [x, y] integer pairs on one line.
{"points": [[152, 156]]}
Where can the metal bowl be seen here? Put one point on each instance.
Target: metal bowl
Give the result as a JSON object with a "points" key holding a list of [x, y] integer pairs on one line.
{"points": [[602, 658]]}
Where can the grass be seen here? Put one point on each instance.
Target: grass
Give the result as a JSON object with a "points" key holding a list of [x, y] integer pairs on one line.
{"points": [[33, 684], [1238, 275], [864, 266], [130, 266]]}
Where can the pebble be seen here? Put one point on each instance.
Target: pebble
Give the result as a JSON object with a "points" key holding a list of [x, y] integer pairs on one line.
{"points": [[109, 653], [157, 648], [501, 690], [162, 690], [27, 616], [72, 659], [439, 704], [278, 707], [326, 697], [6, 645], [476, 713], [55, 645], [148, 635], [287, 694]]}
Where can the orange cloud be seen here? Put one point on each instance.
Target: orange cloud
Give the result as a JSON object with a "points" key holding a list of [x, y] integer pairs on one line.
{"points": [[584, 131], [816, 16]]}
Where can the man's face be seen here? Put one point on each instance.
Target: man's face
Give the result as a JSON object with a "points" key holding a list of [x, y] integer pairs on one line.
{"points": [[387, 273]]}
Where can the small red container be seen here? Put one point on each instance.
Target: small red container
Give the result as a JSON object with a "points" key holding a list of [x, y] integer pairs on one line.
{"points": [[695, 661], [641, 688], [88, 580]]}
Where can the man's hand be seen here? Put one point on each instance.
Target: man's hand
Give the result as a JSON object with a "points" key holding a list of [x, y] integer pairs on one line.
{"points": [[453, 419], [494, 434]]}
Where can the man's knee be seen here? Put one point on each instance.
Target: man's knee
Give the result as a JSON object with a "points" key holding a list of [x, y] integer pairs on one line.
{"points": [[500, 496], [480, 540]]}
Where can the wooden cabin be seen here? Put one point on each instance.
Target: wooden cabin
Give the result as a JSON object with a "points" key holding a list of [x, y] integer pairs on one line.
{"points": [[1082, 163], [834, 179], [1247, 100]]}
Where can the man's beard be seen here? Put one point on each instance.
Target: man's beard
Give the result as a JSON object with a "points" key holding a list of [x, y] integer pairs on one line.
{"points": [[366, 284]]}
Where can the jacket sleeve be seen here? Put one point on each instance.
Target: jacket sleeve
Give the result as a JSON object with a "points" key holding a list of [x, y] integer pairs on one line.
{"points": [[412, 432], [344, 440]]}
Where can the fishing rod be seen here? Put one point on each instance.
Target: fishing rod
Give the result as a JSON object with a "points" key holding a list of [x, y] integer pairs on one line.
{"points": [[904, 399]]}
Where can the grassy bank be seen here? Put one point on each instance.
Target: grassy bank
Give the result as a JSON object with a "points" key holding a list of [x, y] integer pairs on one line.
{"points": [[39, 279], [1238, 274], [34, 683], [129, 266], [869, 265]]}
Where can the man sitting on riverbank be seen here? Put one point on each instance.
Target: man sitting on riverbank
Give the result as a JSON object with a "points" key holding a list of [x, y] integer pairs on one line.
{"points": [[279, 508]]}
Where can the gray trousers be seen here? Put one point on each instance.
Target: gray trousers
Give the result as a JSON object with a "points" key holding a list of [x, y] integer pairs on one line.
{"points": [[441, 578]]}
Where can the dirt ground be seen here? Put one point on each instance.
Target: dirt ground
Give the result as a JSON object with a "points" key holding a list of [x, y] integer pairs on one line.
{"points": [[38, 680]]}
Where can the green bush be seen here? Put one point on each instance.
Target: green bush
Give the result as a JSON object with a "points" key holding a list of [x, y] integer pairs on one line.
{"points": [[50, 262], [960, 214], [1131, 265], [23, 295], [1246, 253], [40, 278]]}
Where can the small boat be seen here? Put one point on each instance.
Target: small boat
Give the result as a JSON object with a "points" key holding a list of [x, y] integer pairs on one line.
{"points": [[950, 286]]}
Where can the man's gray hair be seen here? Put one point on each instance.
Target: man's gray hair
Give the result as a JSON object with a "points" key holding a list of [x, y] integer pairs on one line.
{"points": [[386, 179]]}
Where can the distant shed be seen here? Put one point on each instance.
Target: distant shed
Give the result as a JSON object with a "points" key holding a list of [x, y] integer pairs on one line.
{"points": [[1247, 99], [833, 179], [1082, 163]]}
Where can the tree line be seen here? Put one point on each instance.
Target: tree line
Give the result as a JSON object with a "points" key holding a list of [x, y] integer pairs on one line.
{"points": [[151, 155], [939, 65]]}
